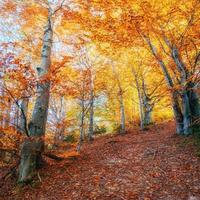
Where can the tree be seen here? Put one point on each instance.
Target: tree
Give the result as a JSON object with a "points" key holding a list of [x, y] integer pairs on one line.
{"points": [[32, 148], [57, 118], [121, 100], [154, 24]]}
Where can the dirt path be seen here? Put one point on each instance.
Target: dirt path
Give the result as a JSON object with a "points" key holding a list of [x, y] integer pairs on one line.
{"points": [[140, 166]]}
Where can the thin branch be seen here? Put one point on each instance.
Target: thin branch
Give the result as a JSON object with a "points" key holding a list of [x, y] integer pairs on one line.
{"points": [[22, 111], [60, 7]]}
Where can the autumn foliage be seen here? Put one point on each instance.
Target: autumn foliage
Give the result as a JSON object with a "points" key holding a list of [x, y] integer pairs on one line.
{"points": [[73, 71]]}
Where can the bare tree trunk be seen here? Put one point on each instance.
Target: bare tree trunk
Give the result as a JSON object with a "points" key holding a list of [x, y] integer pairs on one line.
{"points": [[187, 129], [32, 148], [23, 116], [175, 100], [59, 135], [195, 109], [2, 96], [147, 105], [138, 88], [121, 102], [140, 110], [147, 108], [190, 99], [122, 114], [16, 120], [60, 120], [81, 125], [186, 115], [91, 120], [177, 113], [91, 117]]}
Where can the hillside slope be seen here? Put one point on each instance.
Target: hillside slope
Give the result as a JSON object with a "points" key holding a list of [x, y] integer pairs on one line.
{"points": [[154, 164]]}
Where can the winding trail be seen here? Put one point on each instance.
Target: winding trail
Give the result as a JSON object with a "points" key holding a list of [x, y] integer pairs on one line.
{"points": [[150, 165]]}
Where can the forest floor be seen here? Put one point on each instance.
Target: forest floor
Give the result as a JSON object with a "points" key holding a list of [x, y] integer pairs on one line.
{"points": [[151, 165]]}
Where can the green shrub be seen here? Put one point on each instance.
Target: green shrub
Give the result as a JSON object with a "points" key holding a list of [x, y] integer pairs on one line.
{"points": [[116, 128], [69, 139], [98, 130]]}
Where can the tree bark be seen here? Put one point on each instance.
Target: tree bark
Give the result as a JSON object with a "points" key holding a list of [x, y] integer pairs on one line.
{"points": [[2, 96], [91, 116], [187, 129], [122, 113], [138, 88], [186, 115], [23, 116], [81, 125], [32, 148], [147, 108], [195, 109], [174, 95], [190, 99], [147, 105], [177, 113], [60, 121], [121, 102]]}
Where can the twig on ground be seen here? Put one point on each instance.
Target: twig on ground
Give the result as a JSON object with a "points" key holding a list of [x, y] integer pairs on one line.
{"points": [[39, 177], [54, 157]]}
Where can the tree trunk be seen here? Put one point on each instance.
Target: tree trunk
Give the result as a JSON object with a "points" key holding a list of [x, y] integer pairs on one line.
{"points": [[32, 148], [2, 96], [177, 113], [140, 110], [147, 107], [190, 100], [16, 117], [121, 101], [195, 110], [30, 159], [139, 98], [23, 116], [174, 96], [91, 120], [122, 114], [187, 128], [59, 135], [147, 118], [60, 122], [81, 125]]}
